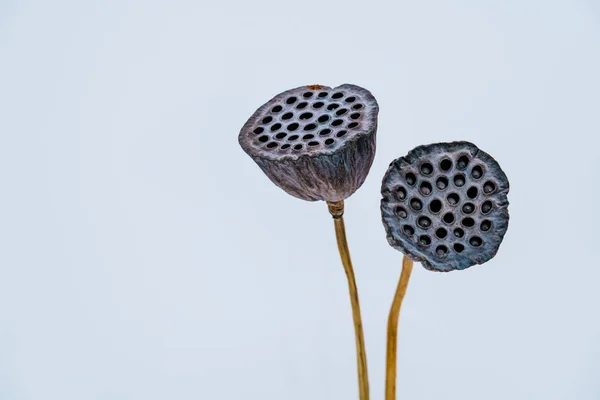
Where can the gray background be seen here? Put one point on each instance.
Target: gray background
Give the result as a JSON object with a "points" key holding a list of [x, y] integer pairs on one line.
{"points": [[144, 255]]}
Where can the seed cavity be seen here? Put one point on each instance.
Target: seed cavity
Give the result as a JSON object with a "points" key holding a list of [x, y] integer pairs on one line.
{"points": [[463, 162], [441, 183], [425, 188], [475, 241], [435, 206], [477, 172], [426, 169], [446, 164], [453, 199], [489, 187], [459, 180], [416, 204]]}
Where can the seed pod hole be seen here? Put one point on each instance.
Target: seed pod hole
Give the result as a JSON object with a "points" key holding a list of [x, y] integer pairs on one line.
{"points": [[350, 99], [472, 192], [459, 180], [409, 230], [323, 94], [293, 137], [313, 143], [352, 125], [426, 169], [272, 145], [329, 142], [263, 139], [341, 133], [287, 116], [441, 251], [489, 187], [325, 132], [424, 240], [275, 127], [307, 95], [276, 109], [411, 179], [441, 183], [453, 199], [310, 127], [477, 172], [458, 232], [292, 127], [355, 115], [298, 147], [337, 95], [266, 120], [357, 106], [486, 207], [468, 208], [285, 146], [446, 164], [323, 118], [416, 204], [425, 188], [337, 122], [308, 137], [306, 115], [341, 112], [468, 222], [401, 193], [458, 247], [475, 241], [486, 225], [448, 218], [332, 106], [291, 100], [302, 105], [401, 212], [318, 104], [462, 162], [281, 135], [424, 222], [435, 206], [441, 233], [259, 130]]}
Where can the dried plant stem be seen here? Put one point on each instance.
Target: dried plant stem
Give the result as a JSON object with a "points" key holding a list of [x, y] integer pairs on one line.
{"points": [[337, 211], [392, 332]]}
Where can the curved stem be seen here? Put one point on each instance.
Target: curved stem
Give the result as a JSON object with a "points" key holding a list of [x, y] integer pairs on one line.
{"points": [[337, 210], [392, 332]]}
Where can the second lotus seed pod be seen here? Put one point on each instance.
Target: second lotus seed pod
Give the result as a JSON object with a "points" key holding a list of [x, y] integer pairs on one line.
{"points": [[445, 205], [315, 142]]}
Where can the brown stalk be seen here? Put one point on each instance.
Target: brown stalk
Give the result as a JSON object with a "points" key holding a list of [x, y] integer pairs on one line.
{"points": [[337, 211], [392, 332]]}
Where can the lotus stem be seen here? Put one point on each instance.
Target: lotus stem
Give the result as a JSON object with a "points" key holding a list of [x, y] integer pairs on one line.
{"points": [[392, 332], [337, 211]]}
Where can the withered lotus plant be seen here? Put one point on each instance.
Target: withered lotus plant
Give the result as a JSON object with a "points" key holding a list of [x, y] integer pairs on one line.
{"points": [[318, 143], [444, 205]]}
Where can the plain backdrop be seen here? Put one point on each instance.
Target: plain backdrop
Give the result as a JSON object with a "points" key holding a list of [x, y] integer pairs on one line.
{"points": [[145, 256]]}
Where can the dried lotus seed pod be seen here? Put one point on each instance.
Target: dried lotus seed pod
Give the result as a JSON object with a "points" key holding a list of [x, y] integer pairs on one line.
{"points": [[445, 205], [314, 142]]}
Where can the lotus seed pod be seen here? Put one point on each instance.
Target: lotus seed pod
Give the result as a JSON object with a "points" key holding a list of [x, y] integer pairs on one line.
{"points": [[314, 142], [445, 205]]}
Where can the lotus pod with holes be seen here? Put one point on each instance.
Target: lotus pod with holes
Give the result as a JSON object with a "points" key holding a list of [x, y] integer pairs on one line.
{"points": [[314, 142], [445, 205]]}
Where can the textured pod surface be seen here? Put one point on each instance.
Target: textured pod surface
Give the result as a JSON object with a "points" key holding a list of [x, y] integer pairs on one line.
{"points": [[314, 142], [445, 205]]}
